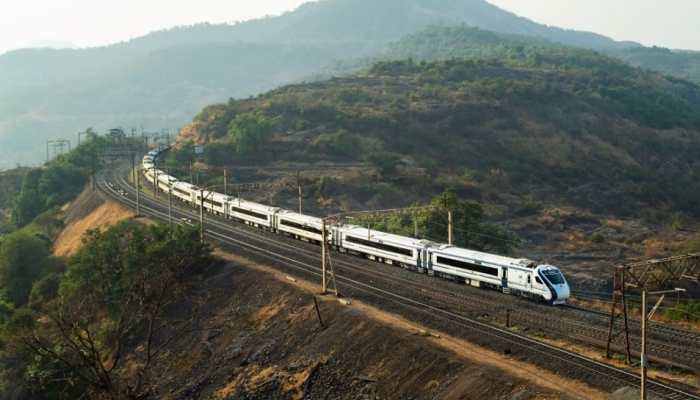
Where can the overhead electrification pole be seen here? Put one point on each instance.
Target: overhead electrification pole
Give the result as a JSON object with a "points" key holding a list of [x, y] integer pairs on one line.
{"points": [[170, 208], [138, 194], [323, 255], [643, 357], [449, 227], [415, 226], [201, 215], [645, 318], [225, 182], [299, 187]]}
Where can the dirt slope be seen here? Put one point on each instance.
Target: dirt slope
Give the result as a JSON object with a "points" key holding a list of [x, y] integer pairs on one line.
{"points": [[262, 339], [89, 211]]}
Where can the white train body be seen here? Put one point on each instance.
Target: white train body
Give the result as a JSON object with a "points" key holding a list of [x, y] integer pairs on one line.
{"points": [[299, 225], [258, 215], [185, 192], [511, 275], [380, 246], [215, 203]]}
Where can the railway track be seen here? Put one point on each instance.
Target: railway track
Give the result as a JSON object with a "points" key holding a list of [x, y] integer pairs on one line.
{"points": [[426, 300], [666, 346]]}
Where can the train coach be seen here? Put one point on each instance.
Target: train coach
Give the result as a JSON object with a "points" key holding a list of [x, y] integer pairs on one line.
{"points": [[299, 226], [253, 214], [510, 275], [379, 246]]}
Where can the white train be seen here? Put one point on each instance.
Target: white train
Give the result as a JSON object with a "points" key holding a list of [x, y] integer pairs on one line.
{"points": [[510, 275]]}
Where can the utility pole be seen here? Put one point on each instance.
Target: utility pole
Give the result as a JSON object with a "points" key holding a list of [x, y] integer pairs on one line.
{"points": [[170, 208], [191, 176], [643, 357], [449, 227], [323, 255], [225, 182], [138, 194], [645, 319], [415, 225], [133, 167], [201, 215], [299, 187], [155, 180]]}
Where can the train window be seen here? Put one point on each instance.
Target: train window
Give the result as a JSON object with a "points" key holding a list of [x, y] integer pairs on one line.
{"points": [[554, 276], [468, 266], [529, 279], [182, 192], [300, 226], [247, 212], [537, 279], [380, 246]]}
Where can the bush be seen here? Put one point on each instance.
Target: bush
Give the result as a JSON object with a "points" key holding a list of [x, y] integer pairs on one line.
{"points": [[685, 312], [597, 238]]}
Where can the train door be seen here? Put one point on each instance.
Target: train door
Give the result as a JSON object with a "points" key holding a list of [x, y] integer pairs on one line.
{"points": [[504, 279]]}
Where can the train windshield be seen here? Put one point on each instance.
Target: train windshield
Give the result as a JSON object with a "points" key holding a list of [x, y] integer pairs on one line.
{"points": [[554, 276]]}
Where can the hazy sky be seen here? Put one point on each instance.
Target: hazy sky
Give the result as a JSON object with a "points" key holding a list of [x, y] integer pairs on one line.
{"points": [[670, 23], [667, 23]]}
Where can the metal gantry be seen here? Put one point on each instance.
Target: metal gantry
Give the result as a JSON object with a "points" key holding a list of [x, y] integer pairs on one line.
{"points": [[645, 276]]}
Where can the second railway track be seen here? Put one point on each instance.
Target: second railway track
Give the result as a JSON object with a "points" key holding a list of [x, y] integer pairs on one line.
{"points": [[436, 306]]}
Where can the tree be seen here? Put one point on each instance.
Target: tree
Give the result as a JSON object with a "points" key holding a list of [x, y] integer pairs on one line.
{"points": [[469, 229], [120, 287], [250, 131], [24, 258], [384, 163]]}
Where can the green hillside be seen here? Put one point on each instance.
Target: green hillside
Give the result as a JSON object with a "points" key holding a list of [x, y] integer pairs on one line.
{"points": [[560, 125], [683, 64], [162, 79]]}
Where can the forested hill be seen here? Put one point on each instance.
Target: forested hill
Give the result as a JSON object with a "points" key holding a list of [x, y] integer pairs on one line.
{"points": [[565, 125], [162, 79], [464, 41]]}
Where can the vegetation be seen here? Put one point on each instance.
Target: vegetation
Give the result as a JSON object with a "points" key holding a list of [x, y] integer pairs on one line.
{"points": [[24, 258], [47, 92], [119, 291], [689, 312], [564, 125], [682, 64], [57, 182], [429, 221]]}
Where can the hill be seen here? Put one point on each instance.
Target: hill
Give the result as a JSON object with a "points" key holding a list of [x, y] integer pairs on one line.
{"points": [[683, 64], [162, 79], [554, 124]]}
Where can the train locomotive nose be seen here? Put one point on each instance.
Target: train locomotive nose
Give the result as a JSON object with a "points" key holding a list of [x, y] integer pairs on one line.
{"points": [[563, 293]]}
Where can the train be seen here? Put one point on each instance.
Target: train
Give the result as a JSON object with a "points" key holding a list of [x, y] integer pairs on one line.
{"points": [[517, 276]]}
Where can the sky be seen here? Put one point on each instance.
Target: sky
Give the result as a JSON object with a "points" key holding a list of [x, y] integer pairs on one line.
{"points": [[82, 23], [666, 23]]}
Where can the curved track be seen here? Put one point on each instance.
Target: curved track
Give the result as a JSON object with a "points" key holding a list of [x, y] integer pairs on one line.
{"points": [[459, 309]]}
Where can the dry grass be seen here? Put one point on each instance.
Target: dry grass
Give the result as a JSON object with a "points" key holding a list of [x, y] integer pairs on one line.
{"points": [[106, 215]]}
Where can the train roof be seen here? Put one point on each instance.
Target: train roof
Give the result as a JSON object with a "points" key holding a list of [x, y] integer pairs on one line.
{"points": [[494, 259], [162, 176], [220, 197], [383, 237], [300, 218], [185, 186], [249, 205]]}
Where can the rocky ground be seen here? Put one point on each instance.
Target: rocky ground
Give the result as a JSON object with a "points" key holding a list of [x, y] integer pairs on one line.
{"points": [[261, 338]]}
